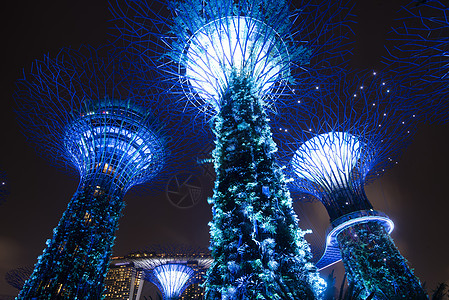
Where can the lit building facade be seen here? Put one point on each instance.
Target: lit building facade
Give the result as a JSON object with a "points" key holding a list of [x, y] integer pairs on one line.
{"points": [[123, 281], [128, 275]]}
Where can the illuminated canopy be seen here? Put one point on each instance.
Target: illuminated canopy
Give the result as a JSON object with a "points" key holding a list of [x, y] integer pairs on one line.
{"points": [[327, 159], [116, 139], [233, 44], [172, 279]]}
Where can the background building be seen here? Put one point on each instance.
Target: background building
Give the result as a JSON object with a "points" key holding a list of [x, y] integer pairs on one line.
{"points": [[123, 281], [126, 277]]}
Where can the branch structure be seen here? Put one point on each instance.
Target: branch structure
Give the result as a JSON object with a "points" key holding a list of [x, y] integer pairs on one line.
{"points": [[419, 55], [80, 108], [17, 277], [201, 44], [353, 131], [172, 279], [229, 61]]}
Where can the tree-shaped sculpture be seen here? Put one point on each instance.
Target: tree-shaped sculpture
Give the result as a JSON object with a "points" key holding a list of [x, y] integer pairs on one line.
{"points": [[171, 278], [83, 112], [203, 45], [233, 59], [17, 277], [354, 130], [172, 268], [419, 54]]}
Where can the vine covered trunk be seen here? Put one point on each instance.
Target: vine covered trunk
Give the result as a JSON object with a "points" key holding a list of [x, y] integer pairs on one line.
{"points": [[374, 264], [76, 260], [258, 249]]}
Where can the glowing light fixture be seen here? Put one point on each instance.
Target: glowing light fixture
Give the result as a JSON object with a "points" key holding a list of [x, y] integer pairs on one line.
{"points": [[331, 253], [172, 279], [350, 144], [327, 159], [233, 44], [115, 138]]}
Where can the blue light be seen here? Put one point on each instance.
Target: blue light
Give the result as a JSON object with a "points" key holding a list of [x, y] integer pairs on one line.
{"points": [[105, 138], [172, 279], [233, 44], [351, 143], [72, 107], [331, 253], [327, 159]]}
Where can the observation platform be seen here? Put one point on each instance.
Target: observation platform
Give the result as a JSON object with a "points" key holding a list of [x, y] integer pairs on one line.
{"points": [[332, 251]]}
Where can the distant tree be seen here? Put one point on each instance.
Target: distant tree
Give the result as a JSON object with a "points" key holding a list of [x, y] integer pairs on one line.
{"points": [[440, 292], [17, 277]]}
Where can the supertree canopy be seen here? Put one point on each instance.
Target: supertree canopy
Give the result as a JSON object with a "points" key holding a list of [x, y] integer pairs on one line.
{"points": [[171, 279], [232, 59], [17, 277], [172, 268], [419, 54], [203, 45], [353, 130], [81, 109]]}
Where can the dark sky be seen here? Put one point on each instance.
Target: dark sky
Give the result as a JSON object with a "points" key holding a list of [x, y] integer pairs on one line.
{"points": [[412, 194]]}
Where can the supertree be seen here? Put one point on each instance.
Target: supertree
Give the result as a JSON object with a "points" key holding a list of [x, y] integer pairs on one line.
{"points": [[172, 268], [203, 45], [82, 111], [17, 277], [171, 278], [418, 53], [353, 130], [231, 60]]}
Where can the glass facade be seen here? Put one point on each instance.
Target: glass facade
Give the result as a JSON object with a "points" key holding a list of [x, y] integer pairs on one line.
{"points": [[123, 281]]}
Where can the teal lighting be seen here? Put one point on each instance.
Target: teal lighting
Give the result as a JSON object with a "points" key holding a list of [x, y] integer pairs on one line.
{"points": [[232, 61]]}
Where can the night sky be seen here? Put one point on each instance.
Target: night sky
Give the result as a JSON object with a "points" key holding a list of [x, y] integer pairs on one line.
{"points": [[412, 194]]}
